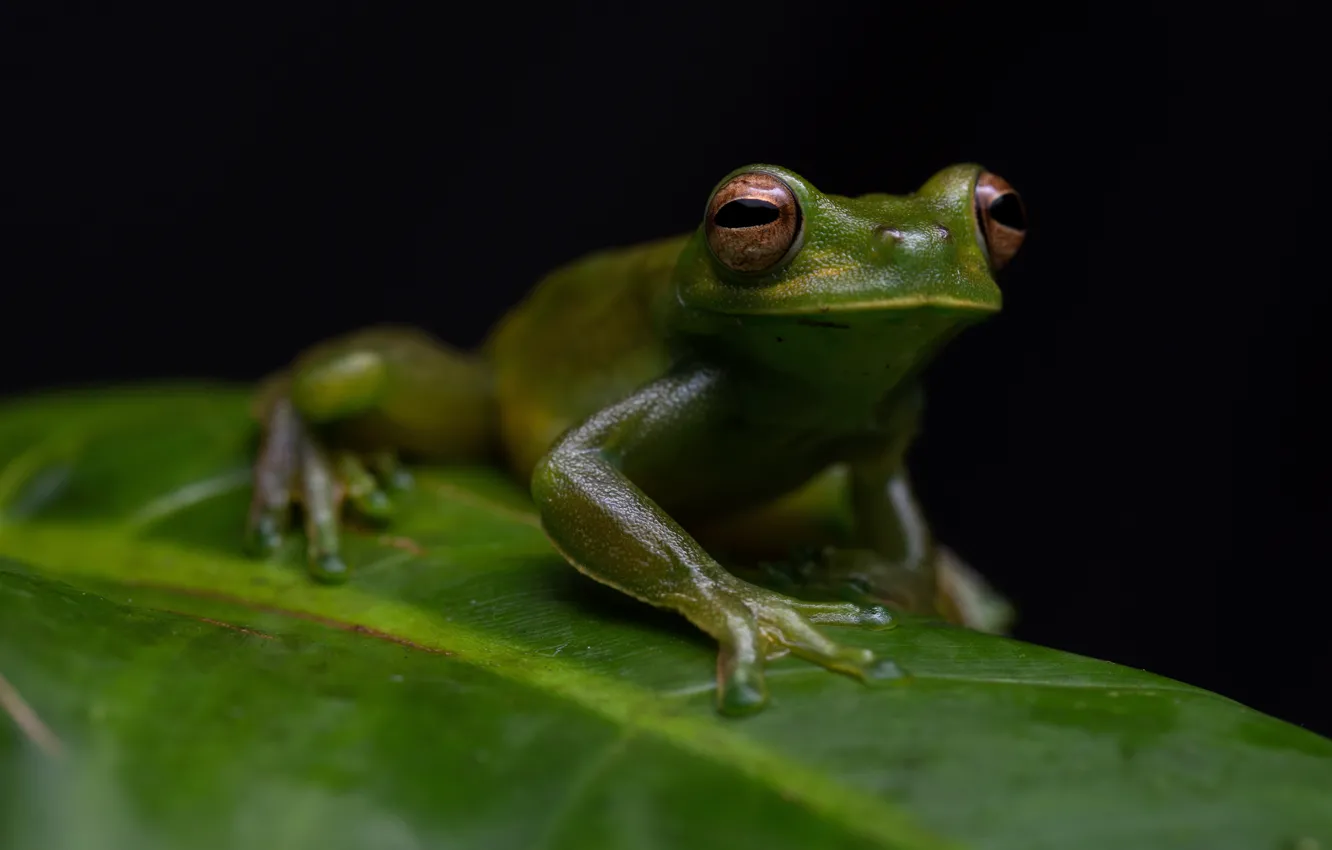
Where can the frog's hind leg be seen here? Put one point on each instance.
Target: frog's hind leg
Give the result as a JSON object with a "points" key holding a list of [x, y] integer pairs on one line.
{"points": [[335, 424], [803, 544]]}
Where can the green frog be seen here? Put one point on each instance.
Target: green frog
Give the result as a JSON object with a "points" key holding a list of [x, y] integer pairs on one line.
{"points": [[742, 395]]}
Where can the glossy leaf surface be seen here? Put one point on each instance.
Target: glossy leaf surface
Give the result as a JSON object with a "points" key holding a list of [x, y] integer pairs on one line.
{"points": [[467, 689]]}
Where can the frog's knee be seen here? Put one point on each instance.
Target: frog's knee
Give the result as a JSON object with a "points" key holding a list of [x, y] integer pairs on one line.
{"points": [[339, 385], [552, 478], [541, 481], [568, 487]]}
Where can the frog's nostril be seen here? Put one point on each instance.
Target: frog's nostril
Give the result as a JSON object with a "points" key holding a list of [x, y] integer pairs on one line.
{"points": [[888, 234]]}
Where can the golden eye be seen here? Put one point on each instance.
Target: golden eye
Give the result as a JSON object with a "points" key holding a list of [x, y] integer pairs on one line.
{"points": [[1000, 218], [754, 223]]}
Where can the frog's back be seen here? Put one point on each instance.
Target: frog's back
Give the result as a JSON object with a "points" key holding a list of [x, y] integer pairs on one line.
{"points": [[583, 338]]}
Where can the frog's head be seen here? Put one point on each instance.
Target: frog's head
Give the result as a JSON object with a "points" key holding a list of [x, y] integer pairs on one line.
{"points": [[850, 291]]}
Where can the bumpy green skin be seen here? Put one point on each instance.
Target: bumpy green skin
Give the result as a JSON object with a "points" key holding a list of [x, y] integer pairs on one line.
{"points": [[665, 408]]}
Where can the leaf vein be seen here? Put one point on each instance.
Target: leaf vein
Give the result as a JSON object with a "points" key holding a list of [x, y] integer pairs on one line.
{"points": [[189, 495], [851, 809], [583, 785], [27, 720]]}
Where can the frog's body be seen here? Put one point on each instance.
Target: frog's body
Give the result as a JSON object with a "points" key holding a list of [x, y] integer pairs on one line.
{"points": [[589, 335], [743, 389], [585, 337]]}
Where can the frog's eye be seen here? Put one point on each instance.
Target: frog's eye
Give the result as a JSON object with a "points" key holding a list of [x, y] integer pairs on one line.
{"points": [[754, 223], [1000, 218]]}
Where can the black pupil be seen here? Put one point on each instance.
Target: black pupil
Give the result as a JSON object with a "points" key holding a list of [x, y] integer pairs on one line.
{"points": [[747, 212], [1007, 210]]}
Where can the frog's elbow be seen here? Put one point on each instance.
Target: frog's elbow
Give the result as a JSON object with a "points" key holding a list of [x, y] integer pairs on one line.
{"points": [[547, 476], [589, 456], [570, 464]]}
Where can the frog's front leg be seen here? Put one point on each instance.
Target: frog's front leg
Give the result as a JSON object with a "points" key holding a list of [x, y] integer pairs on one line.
{"points": [[857, 532], [334, 423], [892, 554], [877, 542], [607, 527], [897, 558]]}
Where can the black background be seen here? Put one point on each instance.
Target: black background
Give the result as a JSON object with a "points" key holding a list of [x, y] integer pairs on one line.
{"points": [[1136, 450]]}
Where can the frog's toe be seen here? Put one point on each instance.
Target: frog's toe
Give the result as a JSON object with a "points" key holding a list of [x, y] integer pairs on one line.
{"points": [[741, 685], [865, 613], [292, 466], [264, 533], [742, 694], [363, 490], [853, 576], [865, 578], [789, 623], [275, 471], [329, 568], [966, 598], [760, 624], [885, 669], [388, 467], [322, 495], [741, 689]]}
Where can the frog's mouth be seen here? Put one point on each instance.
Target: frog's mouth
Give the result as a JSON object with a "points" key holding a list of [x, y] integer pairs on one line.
{"points": [[853, 350], [901, 303]]}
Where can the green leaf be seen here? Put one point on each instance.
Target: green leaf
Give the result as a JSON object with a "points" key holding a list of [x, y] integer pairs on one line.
{"points": [[467, 689]]}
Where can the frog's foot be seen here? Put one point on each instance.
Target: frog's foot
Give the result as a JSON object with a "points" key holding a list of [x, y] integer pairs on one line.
{"points": [[966, 598], [293, 466], [755, 625], [855, 575], [948, 588]]}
